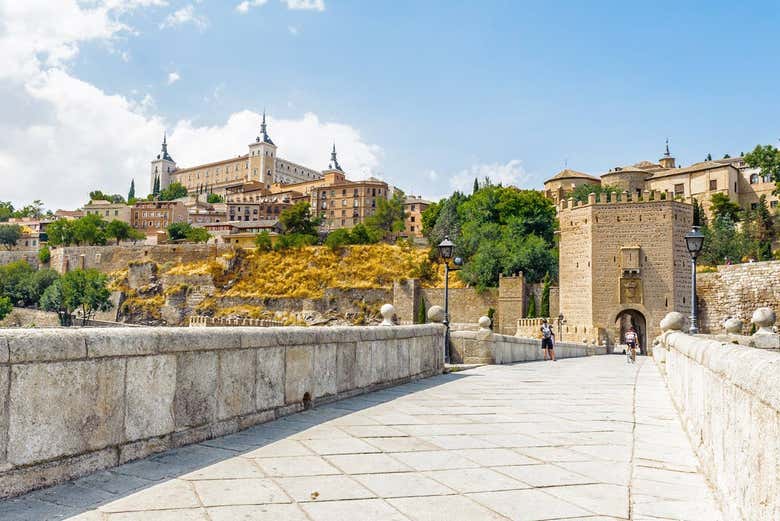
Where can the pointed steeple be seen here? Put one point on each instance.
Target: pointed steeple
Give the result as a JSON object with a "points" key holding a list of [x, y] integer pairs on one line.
{"points": [[263, 137], [334, 163], [667, 161], [164, 154], [667, 154]]}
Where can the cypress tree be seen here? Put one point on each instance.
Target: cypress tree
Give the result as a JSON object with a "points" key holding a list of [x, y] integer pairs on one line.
{"points": [[131, 193], [476, 186], [531, 307], [544, 308], [421, 315]]}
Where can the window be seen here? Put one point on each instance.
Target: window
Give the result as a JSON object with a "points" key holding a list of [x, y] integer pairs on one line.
{"points": [[355, 203], [679, 189], [753, 206], [773, 204], [412, 218], [412, 228], [413, 207], [713, 184], [768, 178], [343, 202], [754, 179]]}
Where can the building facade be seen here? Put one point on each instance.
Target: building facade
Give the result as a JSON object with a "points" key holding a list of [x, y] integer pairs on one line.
{"points": [[154, 216], [700, 181], [260, 164], [109, 211], [414, 206]]}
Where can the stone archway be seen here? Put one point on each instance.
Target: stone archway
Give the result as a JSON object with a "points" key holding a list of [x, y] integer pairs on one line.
{"points": [[628, 318]]}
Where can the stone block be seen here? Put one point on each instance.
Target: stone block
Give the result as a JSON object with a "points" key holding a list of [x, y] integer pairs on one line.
{"points": [[4, 350], [4, 390], [198, 339], [298, 369], [196, 389], [255, 418], [253, 337], [346, 366], [400, 360], [340, 334], [295, 336], [236, 383], [325, 370], [151, 386], [21, 480], [140, 449], [379, 355], [47, 345], [64, 408], [363, 364], [120, 342], [269, 391]]}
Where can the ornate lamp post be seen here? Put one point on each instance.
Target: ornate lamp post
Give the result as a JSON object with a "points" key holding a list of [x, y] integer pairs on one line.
{"points": [[694, 240], [446, 249]]}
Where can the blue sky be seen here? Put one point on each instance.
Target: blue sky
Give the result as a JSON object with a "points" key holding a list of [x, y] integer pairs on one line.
{"points": [[428, 94]]}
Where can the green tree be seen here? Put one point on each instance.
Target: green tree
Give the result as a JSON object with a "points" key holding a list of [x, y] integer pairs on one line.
{"points": [[121, 231], [708, 158], [263, 241], [33, 210], [98, 195], [722, 206], [422, 316], [35, 285], [476, 186], [5, 307], [429, 217], [178, 231], [131, 192], [6, 210], [60, 232], [83, 290], [389, 218], [9, 235], [89, 230], [215, 198], [544, 308], [338, 239], [294, 240], [723, 242], [174, 191], [531, 313], [14, 281], [44, 254], [197, 234], [297, 219], [766, 159], [362, 234], [603, 192], [726, 156]]}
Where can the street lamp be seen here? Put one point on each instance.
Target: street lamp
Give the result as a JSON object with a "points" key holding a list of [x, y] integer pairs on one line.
{"points": [[694, 240], [446, 247]]}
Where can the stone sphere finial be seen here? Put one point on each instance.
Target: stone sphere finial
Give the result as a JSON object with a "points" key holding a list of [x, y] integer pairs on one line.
{"points": [[387, 311], [436, 314], [672, 322], [733, 326], [484, 323], [764, 319]]}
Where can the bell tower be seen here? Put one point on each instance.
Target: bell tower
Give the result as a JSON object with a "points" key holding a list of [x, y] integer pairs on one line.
{"points": [[262, 157], [667, 161], [162, 167]]}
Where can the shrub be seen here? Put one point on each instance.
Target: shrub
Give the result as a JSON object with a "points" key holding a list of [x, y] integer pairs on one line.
{"points": [[263, 241], [338, 239], [5, 307], [44, 254]]}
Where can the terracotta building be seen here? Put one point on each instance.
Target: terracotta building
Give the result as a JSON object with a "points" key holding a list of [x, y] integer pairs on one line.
{"points": [[108, 211], [154, 216], [414, 206]]}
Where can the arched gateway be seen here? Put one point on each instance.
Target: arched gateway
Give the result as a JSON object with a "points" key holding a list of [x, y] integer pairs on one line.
{"points": [[631, 318]]}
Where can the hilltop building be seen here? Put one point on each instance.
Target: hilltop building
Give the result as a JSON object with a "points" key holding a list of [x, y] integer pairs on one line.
{"points": [[729, 176], [414, 206]]}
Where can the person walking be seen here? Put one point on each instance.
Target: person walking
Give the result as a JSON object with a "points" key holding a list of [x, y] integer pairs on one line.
{"points": [[632, 342], [548, 340]]}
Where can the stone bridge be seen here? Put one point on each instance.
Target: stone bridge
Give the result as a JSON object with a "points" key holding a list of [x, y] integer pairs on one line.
{"points": [[383, 435]]}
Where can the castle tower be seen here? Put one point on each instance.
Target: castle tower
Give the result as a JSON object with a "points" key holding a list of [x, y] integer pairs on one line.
{"points": [[667, 161], [162, 167], [334, 173], [622, 263], [262, 157]]}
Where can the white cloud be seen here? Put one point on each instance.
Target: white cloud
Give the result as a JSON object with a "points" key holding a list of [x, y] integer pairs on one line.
{"points": [[173, 77], [313, 5], [293, 30], [510, 173], [244, 6], [185, 15]]}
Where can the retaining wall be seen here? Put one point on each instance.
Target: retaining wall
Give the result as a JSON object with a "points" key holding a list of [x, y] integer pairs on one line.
{"points": [[117, 257], [729, 399], [484, 347], [76, 401]]}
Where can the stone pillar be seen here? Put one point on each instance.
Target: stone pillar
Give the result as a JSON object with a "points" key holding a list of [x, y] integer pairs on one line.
{"points": [[406, 299], [511, 303], [591, 198]]}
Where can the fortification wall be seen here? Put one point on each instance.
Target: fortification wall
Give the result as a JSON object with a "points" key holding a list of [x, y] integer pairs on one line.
{"points": [[76, 401], [117, 257], [7, 257], [735, 291], [729, 400], [23, 317]]}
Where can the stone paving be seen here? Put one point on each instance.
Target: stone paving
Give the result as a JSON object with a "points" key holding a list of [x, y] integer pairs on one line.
{"points": [[585, 439]]}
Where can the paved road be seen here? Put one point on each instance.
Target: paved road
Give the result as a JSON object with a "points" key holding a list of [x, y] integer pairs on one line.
{"points": [[586, 439]]}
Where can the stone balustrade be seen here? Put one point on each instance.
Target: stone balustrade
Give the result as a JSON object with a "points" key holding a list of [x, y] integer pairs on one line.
{"points": [[203, 321], [729, 399], [75, 401]]}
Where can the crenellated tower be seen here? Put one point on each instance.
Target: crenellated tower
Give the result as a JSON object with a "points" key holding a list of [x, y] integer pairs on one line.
{"points": [[162, 167], [262, 157]]}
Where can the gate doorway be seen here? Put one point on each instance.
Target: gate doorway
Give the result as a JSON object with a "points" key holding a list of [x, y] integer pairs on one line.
{"points": [[631, 318]]}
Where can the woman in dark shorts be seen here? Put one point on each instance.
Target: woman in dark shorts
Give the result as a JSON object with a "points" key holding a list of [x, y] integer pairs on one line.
{"points": [[548, 340]]}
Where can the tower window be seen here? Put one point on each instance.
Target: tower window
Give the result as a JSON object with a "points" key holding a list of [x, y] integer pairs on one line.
{"points": [[713, 184]]}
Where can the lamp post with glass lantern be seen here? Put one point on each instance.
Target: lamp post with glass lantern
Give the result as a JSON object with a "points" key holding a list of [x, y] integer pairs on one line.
{"points": [[446, 249], [694, 240]]}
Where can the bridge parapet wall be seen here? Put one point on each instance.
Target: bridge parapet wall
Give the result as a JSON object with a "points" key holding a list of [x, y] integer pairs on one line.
{"points": [[729, 399], [484, 347], [76, 401]]}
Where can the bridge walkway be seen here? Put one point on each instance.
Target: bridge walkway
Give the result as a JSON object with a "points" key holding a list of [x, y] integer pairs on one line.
{"points": [[579, 439]]}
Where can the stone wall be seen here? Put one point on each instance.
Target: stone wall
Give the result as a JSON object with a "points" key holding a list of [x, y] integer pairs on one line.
{"points": [[75, 401], [117, 257], [481, 347], [7, 257], [735, 291], [23, 317], [729, 399]]}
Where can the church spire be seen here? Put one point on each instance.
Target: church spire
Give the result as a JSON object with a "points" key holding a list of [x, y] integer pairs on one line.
{"points": [[667, 154], [164, 154], [264, 132], [334, 163]]}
